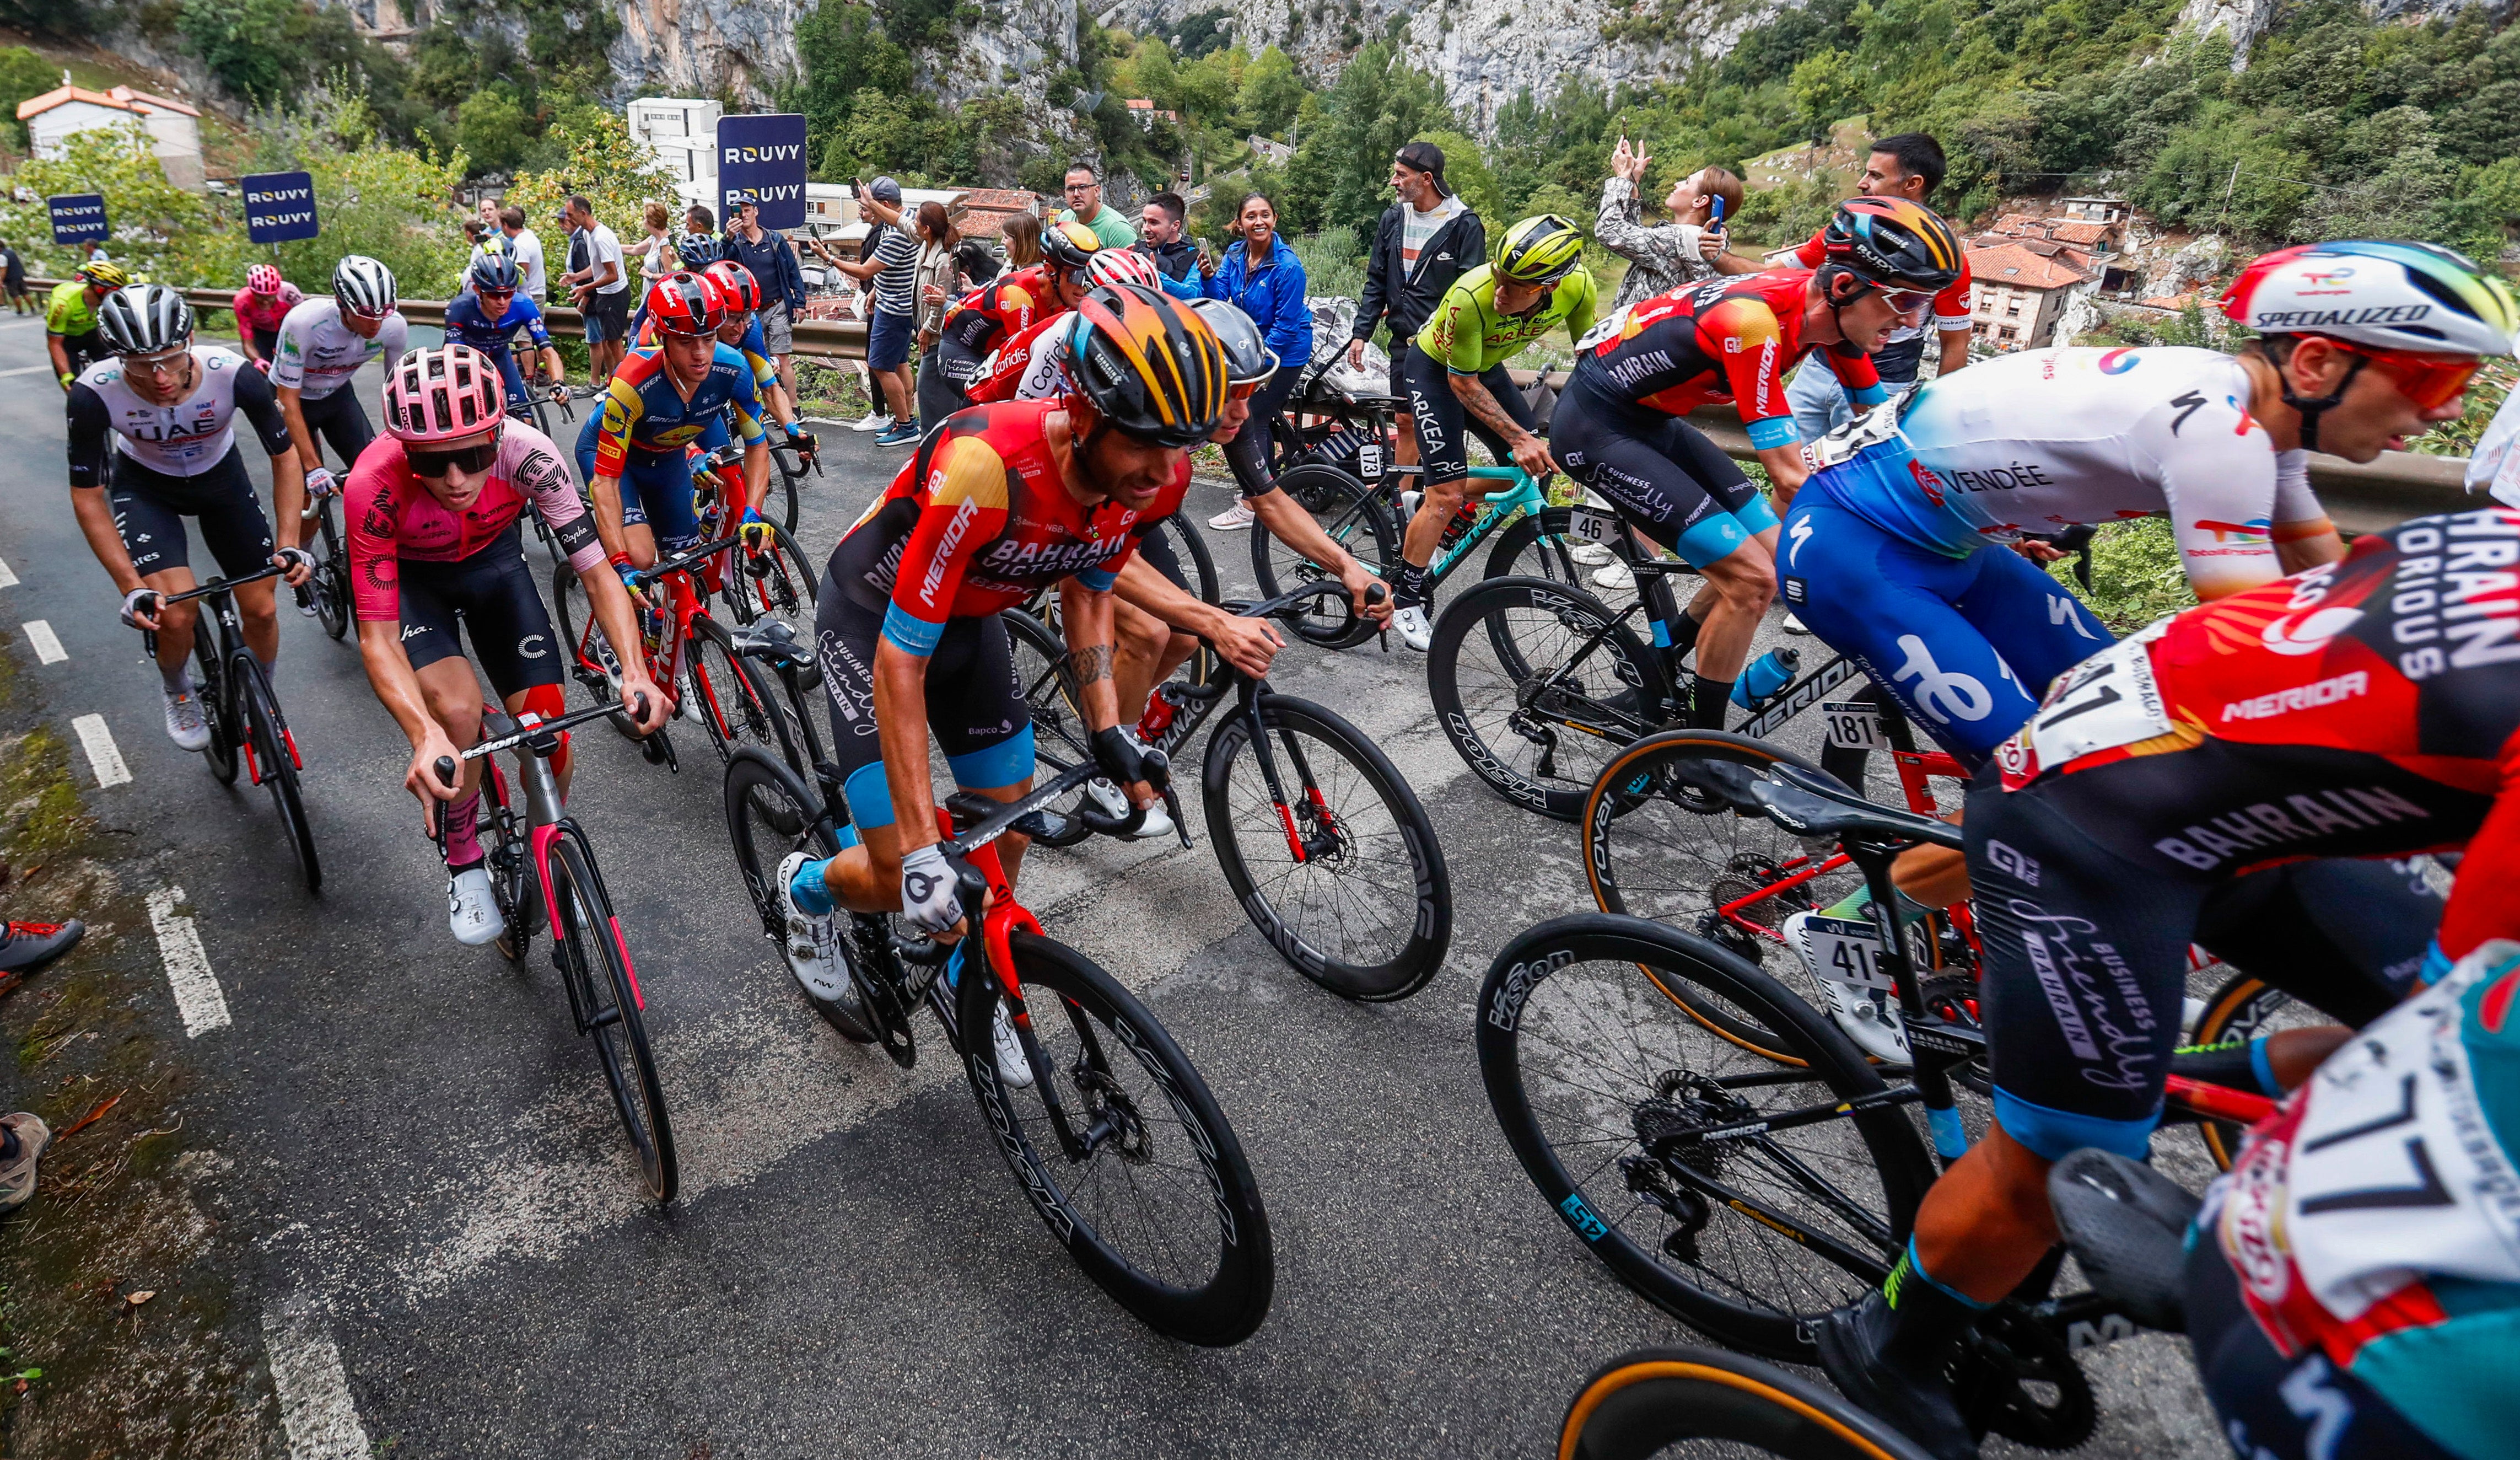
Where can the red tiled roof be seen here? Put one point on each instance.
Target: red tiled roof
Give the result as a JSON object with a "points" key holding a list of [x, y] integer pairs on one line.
{"points": [[1001, 200], [2020, 266], [120, 98]]}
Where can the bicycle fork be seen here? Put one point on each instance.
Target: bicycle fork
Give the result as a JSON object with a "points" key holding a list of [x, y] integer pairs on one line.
{"points": [[1326, 836]]}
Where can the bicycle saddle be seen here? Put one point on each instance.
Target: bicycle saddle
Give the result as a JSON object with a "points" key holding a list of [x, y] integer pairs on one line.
{"points": [[772, 640], [1815, 806], [1374, 400], [2127, 1225]]}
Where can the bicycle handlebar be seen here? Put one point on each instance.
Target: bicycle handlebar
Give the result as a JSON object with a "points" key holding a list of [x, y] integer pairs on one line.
{"points": [[218, 585], [686, 560], [523, 735], [993, 818]]}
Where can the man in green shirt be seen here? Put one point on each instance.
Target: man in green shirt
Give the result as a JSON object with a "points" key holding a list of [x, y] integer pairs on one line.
{"points": [[70, 320], [1085, 206], [1457, 385]]}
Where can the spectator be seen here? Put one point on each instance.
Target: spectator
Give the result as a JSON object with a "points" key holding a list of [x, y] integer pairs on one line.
{"points": [[774, 266], [25, 947], [13, 280], [530, 251], [1023, 240], [1424, 242], [1265, 279], [472, 232], [656, 251], [96, 254], [940, 271], [601, 287], [699, 219], [259, 307], [1085, 206], [488, 210], [1683, 252], [978, 264], [892, 262], [1176, 257]]}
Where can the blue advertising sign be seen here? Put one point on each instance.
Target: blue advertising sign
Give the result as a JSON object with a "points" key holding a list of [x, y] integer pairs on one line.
{"points": [[79, 218], [279, 207], [763, 157]]}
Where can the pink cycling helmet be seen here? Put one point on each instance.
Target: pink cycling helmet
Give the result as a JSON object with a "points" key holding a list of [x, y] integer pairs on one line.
{"points": [[262, 278], [1122, 266], [441, 394]]}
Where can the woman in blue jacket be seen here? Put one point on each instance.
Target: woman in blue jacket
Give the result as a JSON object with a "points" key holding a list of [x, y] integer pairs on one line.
{"points": [[1265, 279]]}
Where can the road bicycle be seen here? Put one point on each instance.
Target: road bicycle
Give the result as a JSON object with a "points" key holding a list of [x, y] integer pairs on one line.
{"points": [[245, 722], [542, 868], [1115, 1139], [683, 645], [1320, 837], [778, 580], [327, 592]]}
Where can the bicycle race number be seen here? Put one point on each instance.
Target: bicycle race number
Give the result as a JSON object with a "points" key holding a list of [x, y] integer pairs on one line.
{"points": [[1368, 461], [1853, 725], [1846, 950], [2106, 701], [1593, 526]]}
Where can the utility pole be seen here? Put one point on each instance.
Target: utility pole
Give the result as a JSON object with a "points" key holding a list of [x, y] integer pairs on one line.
{"points": [[2226, 189]]}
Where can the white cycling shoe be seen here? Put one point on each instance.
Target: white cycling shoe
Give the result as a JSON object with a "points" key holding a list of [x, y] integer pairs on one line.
{"points": [[186, 723], [1589, 554], [1013, 1068], [812, 945], [1615, 575], [1108, 800], [471, 913], [1866, 1016], [1412, 626]]}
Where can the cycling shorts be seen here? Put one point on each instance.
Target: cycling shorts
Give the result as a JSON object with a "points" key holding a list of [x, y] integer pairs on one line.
{"points": [[2086, 953], [975, 708], [1667, 480], [341, 422], [1966, 644], [149, 508], [492, 593], [656, 485], [1444, 427]]}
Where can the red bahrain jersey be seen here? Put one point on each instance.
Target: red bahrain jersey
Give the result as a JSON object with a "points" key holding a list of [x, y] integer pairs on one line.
{"points": [[1728, 341]]}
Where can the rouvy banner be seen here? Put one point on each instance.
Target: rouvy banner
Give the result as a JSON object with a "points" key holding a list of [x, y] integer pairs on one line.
{"points": [[79, 218], [763, 157], [279, 207]]}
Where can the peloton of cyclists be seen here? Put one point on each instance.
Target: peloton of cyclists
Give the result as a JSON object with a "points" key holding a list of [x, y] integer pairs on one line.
{"points": [[1002, 308]]}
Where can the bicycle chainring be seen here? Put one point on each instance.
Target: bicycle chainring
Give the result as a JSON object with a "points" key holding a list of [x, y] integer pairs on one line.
{"points": [[2017, 1379], [1952, 998]]}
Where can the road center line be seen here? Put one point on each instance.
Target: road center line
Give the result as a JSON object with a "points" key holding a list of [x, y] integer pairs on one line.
{"points": [[198, 996], [25, 370], [316, 1410], [48, 644], [8, 579], [103, 755]]}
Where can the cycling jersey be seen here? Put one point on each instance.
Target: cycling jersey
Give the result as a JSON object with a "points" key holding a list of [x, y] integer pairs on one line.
{"points": [[318, 354], [1031, 365], [69, 312], [392, 517], [644, 411], [1727, 340], [468, 323], [263, 312], [1467, 335], [980, 519], [1008, 305], [189, 438]]}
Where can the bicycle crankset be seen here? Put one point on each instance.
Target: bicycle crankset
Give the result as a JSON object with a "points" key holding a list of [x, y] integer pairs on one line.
{"points": [[2017, 1379]]}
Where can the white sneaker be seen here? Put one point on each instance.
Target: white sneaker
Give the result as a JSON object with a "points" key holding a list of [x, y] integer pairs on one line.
{"points": [[186, 723], [1865, 1014], [812, 946], [1233, 519], [1589, 554], [1414, 630], [1616, 576], [875, 421], [471, 913], [1794, 626], [1013, 1068], [1108, 800]]}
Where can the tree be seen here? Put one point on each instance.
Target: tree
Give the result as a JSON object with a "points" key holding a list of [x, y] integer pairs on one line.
{"points": [[1345, 159], [159, 230], [841, 53], [1466, 173], [616, 174], [491, 125], [1271, 94], [244, 43], [22, 74]]}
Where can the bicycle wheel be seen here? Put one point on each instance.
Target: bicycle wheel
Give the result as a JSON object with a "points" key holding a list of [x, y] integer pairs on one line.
{"points": [[1342, 871], [1189, 549], [331, 585], [1682, 1403], [609, 1008], [728, 695], [1536, 687], [1353, 518], [277, 767], [769, 815], [512, 874], [2242, 1010], [1663, 1147], [1058, 736], [1155, 1201], [778, 582], [218, 699], [781, 501]]}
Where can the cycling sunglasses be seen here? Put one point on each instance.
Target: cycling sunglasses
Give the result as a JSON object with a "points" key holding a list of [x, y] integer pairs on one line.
{"points": [[2430, 381], [433, 463], [1910, 302], [1242, 391]]}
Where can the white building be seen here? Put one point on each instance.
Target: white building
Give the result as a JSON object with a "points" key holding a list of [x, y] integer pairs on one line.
{"points": [[174, 129], [683, 130]]}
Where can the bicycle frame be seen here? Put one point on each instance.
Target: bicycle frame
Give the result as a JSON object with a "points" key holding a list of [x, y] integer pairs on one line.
{"points": [[221, 593]]}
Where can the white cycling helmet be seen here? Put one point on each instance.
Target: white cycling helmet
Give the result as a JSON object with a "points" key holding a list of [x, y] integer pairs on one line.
{"points": [[364, 286], [144, 319], [1122, 266], [2378, 294]]}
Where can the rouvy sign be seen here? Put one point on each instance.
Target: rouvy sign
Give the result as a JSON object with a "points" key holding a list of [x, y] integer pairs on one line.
{"points": [[279, 207], [77, 218], [763, 157]]}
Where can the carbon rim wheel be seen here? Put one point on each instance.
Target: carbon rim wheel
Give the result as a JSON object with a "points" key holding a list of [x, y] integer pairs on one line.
{"points": [[218, 699], [593, 957], [280, 776], [1353, 518], [768, 816]]}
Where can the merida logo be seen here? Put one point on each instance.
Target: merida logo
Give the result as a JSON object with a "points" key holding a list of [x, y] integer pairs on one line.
{"points": [[2299, 697]]}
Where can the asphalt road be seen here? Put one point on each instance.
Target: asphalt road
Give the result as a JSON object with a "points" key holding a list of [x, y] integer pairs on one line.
{"points": [[427, 1198]]}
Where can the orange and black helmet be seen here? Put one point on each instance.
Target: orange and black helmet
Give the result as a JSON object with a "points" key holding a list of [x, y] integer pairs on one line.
{"points": [[1149, 366], [1892, 243]]}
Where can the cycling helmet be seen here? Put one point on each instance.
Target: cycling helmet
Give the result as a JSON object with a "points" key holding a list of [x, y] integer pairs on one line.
{"points": [[105, 275], [262, 278], [1247, 356], [1147, 365], [1122, 266], [1540, 250], [743, 291], [364, 286], [697, 251], [1891, 243], [2387, 296], [496, 272], [687, 303], [1069, 245], [441, 394], [144, 319]]}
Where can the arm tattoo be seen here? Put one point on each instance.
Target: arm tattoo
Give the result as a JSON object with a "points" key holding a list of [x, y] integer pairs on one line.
{"points": [[1091, 664], [1489, 412]]}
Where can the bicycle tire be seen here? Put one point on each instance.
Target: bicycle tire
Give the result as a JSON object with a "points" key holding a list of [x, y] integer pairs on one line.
{"points": [[332, 578], [1406, 933], [216, 696], [1606, 702], [2244, 1008], [1641, 1403], [511, 864], [263, 724], [1355, 518], [1537, 545], [785, 588], [1058, 735], [1790, 1247], [729, 696], [769, 814], [574, 614], [783, 493], [1213, 1303], [1190, 548], [606, 990]]}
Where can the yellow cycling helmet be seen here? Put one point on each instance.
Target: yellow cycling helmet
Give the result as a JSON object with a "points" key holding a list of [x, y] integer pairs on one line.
{"points": [[105, 275], [1540, 250]]}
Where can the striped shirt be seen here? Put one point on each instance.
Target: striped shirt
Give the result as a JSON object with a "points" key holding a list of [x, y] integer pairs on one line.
{"points": [[896, 288]]}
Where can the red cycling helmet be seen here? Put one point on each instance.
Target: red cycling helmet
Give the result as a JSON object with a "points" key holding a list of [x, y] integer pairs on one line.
{"points": [[441, 394], [743, 291], [687, 303], [262, 278]]}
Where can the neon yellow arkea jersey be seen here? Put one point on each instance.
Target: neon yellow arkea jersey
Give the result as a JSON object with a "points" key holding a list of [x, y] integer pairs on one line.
{"points": [[1467, 335], [69, 312]]}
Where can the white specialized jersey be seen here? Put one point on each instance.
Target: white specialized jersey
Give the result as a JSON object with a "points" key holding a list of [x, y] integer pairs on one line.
{"points": [[2037, 442], [317, 355], [183, 439], [1030, 366]]}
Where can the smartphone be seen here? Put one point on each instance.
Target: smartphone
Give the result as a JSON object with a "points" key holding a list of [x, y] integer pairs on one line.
{"points": [[1716, 222]]}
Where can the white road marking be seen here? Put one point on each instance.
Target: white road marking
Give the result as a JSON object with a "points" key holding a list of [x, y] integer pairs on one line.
{"points": [[103, 755], [48, 644], [25, 370], [8, 579], [198, 996], [316, 1410]]}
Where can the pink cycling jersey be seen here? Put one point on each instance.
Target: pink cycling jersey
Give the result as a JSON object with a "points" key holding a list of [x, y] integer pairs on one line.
{"points": [[392, 517], [263, 312]]}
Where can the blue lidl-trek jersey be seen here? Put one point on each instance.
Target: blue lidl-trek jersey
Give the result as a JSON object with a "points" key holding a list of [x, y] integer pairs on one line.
{"points": [[467, 323]]}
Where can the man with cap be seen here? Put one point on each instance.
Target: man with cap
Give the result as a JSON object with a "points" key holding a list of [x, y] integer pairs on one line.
{"points": [[1424, 242], [892, 263], [774, 267]]}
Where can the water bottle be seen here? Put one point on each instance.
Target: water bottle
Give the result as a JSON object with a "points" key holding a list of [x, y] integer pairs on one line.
{"points": [[1758, 684]]}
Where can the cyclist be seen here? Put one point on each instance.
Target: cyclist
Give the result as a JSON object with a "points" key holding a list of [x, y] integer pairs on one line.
{"points": [[1001, 501], [1454, 373], [434, 541], [71, 336], [685, 391], [695, 252], [320, 345], [1007, 305], [1619, 426], [259, 307], [489, 313], [166, 408], [1032, 364]]}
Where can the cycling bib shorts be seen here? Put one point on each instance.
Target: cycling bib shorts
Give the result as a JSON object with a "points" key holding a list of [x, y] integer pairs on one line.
{"points": [[1666, 478], [1444, 426], [976, 706], [492, 594], [149, 508]]}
